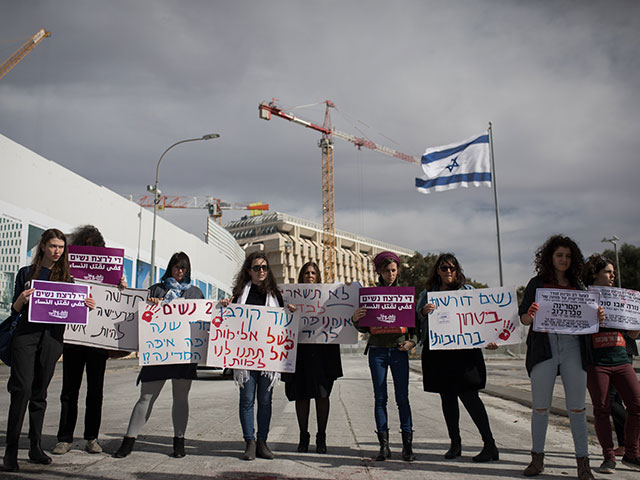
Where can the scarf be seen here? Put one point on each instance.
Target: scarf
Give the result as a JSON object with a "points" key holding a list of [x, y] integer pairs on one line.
{"points": [[175, 288], [242, 376]]}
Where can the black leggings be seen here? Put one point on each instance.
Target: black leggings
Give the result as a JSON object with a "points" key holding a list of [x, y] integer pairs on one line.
{"points": [[475, 407]]}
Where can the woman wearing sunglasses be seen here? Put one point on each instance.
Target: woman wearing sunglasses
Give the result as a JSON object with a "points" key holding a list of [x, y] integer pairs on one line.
{"points": [[175, 283], [454, 374], [256, 285]]}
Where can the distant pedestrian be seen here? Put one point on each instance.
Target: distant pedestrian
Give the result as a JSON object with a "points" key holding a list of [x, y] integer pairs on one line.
{"points": [[558, 264], [174, 284], [255, 284], [610, 365], [35, 349], [454, 374], [317, 367], [388, 348], [75, 359]]}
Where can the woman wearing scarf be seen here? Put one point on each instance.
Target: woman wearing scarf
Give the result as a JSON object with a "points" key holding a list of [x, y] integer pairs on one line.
{"points": [[175, 283], [256, 285]]}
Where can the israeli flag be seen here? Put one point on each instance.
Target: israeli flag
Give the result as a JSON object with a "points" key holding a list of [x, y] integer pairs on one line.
{"points": [[456, 165]]}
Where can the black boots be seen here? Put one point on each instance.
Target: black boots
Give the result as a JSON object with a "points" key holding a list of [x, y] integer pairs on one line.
{"points": [[489, 452], [10, 460], [407, 450], [263, 451], [303, 444], [37, 455], [385, 452], [125, 448], [455, 449], [178, 447], [249, 450], [321, 442]]}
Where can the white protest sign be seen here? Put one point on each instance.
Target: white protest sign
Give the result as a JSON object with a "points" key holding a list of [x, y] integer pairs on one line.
{"points": [[113, 324], [324, 311], [253, 337], [473, 318], [175, 332], [622, 307], [566, 311]]}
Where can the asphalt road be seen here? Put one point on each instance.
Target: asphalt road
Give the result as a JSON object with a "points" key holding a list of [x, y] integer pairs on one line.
{"points": [[214, 441]]}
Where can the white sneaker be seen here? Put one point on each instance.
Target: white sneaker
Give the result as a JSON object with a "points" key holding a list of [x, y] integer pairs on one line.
{"points": [[61, 448], [93, 446]]}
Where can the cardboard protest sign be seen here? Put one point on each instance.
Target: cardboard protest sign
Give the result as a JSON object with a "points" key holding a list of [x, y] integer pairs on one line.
{"points": [[175, 332], [97, 264], [253, 337], [113, 324], [566, 311], [324, 311], [388, 307], [622, 307], [58, 302], [473, 318]]}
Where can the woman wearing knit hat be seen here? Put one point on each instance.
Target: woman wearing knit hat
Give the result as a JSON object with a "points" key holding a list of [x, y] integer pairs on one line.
{"points": [[389, 350]]}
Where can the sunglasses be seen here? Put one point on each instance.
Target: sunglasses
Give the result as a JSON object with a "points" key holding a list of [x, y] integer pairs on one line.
{"points": [[447, 268], [257, 268]]}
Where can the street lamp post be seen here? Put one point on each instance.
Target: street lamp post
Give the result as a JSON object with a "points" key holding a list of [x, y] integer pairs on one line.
{"points": [[614, 241], [156, 199]]}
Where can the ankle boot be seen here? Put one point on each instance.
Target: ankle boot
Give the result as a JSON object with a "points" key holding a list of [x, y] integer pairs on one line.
{"points": [[584, 471], [455, 449], [489, 452], [37, 455], [10, 461], [385, 452], [407, 450], [250, 450], [262, 450], [178, 447], [536, 467], [321, 442], [126, 447], [303, 444]]}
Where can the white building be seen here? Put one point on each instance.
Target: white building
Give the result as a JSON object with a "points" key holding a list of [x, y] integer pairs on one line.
{"points": [[26, 210]]}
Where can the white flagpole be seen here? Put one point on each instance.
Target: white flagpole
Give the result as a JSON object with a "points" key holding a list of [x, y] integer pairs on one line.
{"points": [[495, 201]]}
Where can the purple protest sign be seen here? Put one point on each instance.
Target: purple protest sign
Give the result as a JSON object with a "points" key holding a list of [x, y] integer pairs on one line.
{"points": [[387, 307], [97, 264], [58, 302]]}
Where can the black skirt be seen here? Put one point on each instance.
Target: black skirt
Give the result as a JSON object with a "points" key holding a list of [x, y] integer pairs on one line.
{"points": [[317, 367], [151, 373], [453, 371]]}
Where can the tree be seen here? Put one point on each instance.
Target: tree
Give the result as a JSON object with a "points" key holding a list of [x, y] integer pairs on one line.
{"points": [[629, 257], [416, 270]]}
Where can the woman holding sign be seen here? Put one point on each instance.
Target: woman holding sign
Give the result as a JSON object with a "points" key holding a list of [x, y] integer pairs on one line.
{"points": [[256, 285], [610, 364], [388, 348], [175, 283], [558, 264], [317, 367], [35, 349], [454, 374]]}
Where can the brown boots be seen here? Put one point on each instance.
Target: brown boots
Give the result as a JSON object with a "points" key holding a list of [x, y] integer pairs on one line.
{"points": [[536, 467]]}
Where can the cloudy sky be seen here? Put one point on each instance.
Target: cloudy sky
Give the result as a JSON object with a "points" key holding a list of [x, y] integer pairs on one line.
{"points": [[120, 81]]}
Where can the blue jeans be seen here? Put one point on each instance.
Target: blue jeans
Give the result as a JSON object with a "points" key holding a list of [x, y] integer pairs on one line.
{"points": [[247, 399], [565, 358], [380, 360]]}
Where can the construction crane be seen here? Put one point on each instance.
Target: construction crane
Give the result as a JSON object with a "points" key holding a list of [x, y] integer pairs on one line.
{"points": [[19, 54], [215, 206], [326, 146]]}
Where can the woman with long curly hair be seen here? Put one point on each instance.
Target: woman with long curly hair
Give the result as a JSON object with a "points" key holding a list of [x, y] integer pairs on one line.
{"points": [[35, 349], [454, 374], [558, 264], [610, 365], [255, 284]]}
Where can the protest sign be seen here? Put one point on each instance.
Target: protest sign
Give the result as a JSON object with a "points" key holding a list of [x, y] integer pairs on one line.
{"points": [[58, 302], [566, 311], [324, 311], [113, 324], [98, 264], [473, 318], [175, 332], [253, 337], [387, 307], [621, 305]]}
